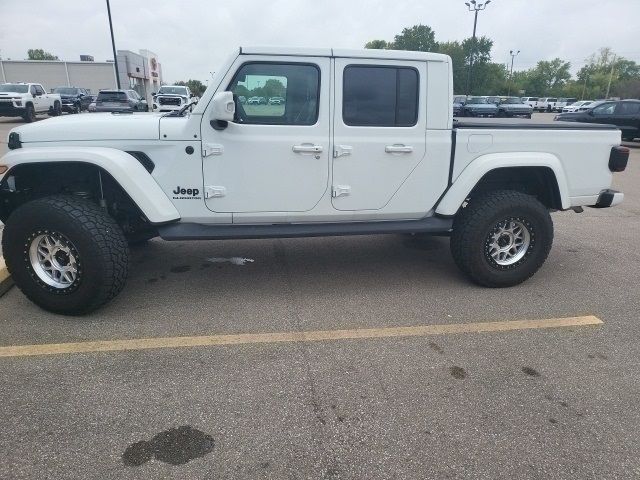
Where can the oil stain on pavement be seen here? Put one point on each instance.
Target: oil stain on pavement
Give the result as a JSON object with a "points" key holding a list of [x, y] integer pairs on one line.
{"points": [[458, 372], [175, 446]]}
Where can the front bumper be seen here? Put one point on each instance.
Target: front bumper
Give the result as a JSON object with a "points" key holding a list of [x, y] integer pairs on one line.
{"points": [[609, 198], [9, 109]]}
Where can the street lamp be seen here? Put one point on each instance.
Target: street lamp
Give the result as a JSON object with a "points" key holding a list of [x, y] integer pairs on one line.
{"points": [[513, 56], [113, 45], [474, 6]]}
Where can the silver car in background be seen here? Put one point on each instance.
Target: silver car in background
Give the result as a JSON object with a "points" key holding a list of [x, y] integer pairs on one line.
{"points": [[120, 101]]}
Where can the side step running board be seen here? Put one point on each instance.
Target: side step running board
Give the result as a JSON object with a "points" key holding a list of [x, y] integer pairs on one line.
{"points": [[196, 231]]}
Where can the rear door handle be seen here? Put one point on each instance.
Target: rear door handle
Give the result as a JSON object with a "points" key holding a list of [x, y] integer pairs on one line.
{"points": [[307, 148], [398, 148]]}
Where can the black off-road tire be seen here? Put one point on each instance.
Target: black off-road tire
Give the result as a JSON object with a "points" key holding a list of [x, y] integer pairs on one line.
{"points": [[475, 224], [29, 113], [97, 241]]}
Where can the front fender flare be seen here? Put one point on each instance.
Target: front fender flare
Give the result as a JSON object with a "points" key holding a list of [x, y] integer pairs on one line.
{"points": [[125, 169], [478, 168]]}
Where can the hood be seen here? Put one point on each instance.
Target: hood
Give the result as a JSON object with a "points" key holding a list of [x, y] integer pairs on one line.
{"points": [[5, 94], [96, 126]]}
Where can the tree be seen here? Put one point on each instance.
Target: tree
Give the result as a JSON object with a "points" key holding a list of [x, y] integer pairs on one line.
{"points": [[603, 66], [377, 45], [548, 77], [274, 88], [419, 38], [40, 54], [196, 86]]}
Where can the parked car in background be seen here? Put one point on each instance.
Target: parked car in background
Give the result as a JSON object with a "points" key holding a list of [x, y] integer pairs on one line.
{"points": [[242, 99], [257, 101], [479, 107], [276, 101], [171, 97], [26, 100], [580, 105], [624, 114], [74, 99], [458, 102], [531, 101], [493, 99], [546, 104], [513, 107], [563, 102], [120, 101]]}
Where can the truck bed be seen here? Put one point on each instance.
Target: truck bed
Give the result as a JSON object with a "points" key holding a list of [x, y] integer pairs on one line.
{"points": [[518, 123]]}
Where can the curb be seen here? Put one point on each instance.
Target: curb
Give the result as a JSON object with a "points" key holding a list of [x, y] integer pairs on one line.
{"points": [[6, 282]]}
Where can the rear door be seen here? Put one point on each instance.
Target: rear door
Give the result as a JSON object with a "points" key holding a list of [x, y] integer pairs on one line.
{"points": [[379, 130]]}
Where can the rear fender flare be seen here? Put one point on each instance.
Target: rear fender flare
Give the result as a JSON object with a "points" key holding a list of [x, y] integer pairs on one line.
{"points": [[478, 168]]}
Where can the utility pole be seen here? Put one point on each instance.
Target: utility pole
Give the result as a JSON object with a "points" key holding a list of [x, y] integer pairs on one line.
{"points": [[113, 45], [513, 56], [613, 62], [474, 6]]}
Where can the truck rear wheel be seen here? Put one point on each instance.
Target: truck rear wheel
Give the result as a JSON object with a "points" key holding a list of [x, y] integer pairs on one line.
{"points": [[65, 253], [501, 238]]}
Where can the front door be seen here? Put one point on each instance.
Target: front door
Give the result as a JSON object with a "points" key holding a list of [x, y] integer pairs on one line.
{"points": [[274, 156], [379, 130]]}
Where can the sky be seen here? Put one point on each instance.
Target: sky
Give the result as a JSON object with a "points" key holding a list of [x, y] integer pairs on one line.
{"points": [[192, 37]]}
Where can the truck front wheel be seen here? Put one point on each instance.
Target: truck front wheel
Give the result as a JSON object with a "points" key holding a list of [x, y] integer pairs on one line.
{"points": [[65, 253], [501, 238]]}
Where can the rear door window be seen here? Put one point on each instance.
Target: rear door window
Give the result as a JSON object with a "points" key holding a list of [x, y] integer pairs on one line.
{"points": [[629, 108], [112, 97], [377, 96]]}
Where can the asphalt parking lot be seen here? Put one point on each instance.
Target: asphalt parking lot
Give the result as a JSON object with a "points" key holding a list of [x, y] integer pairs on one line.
{"points": [[483, 403]]}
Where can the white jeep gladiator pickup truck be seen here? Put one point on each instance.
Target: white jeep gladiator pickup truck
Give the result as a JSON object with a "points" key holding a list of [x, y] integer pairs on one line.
{"points": [[27, 100], [363, 143]]}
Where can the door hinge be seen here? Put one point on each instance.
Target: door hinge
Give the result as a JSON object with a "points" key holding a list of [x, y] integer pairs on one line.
{"points": [[209, 149], [340, 190], [214, 191], [342, 150]]}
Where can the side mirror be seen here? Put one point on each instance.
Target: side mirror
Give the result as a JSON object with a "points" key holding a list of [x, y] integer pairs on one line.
{"points": [[223, 107], [154, 94], [590, 112]]}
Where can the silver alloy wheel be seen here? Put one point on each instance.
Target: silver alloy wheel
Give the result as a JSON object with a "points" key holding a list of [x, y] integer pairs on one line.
{"points": [[508, 242], [54, 259]]}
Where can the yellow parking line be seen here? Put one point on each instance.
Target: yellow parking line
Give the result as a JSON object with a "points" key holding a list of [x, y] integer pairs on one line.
{"points": [[279, 337]]}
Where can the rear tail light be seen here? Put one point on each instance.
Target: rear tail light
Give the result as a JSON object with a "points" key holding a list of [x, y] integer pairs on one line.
{"points": [[618, 159]]}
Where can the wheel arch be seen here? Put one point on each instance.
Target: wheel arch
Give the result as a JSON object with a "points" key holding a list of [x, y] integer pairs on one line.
{"points": [[539, 174], [33, 166]]}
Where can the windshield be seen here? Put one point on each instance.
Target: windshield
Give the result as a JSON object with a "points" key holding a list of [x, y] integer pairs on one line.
{"points": [[65, 90], [476, 100], [172, 91], [12, 87], [512, 100]]}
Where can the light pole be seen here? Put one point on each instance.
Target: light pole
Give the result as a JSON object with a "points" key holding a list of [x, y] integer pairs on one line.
{"points": [[113, 45], [513, 56], [474, 6]]}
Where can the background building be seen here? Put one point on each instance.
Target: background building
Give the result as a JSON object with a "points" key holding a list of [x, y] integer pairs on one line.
{"points": [[141, 71]]}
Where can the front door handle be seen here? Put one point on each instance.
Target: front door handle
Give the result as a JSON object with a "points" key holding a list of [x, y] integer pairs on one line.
{"points": [[307, 148], [398, 148]]}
